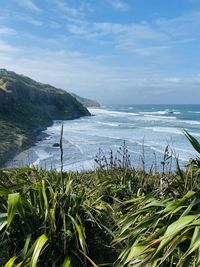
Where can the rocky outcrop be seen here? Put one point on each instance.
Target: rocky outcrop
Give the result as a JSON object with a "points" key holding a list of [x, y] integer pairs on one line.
{"points": [[89, 103]]}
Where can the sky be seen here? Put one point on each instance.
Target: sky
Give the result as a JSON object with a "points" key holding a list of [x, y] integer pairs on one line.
{"points": [[113, 51]]}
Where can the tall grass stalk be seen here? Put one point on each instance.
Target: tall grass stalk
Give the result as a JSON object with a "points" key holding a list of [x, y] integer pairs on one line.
{"points": [[61, 156]]}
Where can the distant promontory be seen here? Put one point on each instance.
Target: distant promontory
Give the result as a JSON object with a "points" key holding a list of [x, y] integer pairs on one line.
{"points": [[27, 107], [88, 103]]}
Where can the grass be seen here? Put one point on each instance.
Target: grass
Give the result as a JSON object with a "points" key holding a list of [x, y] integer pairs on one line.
{"points": [[115, 216]]}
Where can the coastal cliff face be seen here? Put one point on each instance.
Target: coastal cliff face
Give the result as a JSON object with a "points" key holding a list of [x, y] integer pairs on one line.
{"points": [[27, 107], [86, 102]]}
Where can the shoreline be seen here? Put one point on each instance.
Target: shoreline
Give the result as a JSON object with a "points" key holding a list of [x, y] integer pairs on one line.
{"points": [[28, 153], [36, 136], [26, 147]]}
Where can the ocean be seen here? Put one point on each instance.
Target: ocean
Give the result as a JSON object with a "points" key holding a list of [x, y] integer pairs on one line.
{"points": [[146, 130]]}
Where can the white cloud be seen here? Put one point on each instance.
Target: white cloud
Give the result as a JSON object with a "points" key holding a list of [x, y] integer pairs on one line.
{"points": [[148, 51], [7, 31], [187, 25], [66, 8], [90, 77], [55, 25], [29, 19], [13, 15], [97, 29], [144, 39], [120, 5], [89, 30], [28, 4], [7, 48], [139, 38]]}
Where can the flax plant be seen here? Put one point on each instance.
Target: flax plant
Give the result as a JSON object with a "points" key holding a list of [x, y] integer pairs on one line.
{"points": [[116, 216], [164, 229], [44, 225]]}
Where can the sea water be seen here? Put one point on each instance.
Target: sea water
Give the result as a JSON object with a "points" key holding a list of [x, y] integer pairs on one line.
{"points": [[146, 129]]}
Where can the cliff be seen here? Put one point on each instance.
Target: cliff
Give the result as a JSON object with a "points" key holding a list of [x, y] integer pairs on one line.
{"points": [[27, 107], [86, 102]]}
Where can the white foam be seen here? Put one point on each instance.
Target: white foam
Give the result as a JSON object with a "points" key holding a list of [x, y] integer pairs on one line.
{"points": [[157, 149], [191, 122], [160, 117], [80, 166], [171, 130], [113, 124], [188, 151], [42, 155], [134, 152], [195, 134], [98, 111], [77, 146], [163, 112]]}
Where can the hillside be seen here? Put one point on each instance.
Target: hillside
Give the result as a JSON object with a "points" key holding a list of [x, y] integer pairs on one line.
{"points": [[86, 102], [27, 107]]}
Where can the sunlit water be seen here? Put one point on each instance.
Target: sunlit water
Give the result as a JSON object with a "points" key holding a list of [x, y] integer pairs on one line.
{"points": [[155, 126]]}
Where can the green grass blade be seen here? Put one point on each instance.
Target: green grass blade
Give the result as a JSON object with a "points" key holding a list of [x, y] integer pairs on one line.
{"points": [[10, 262], [193, 141], [67, 262], [40, 242], [25, 249], [14, 206], [81, 236], [172, 231]]}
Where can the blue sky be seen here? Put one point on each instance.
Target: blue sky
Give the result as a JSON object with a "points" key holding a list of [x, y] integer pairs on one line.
{"points": [[114, 51]]}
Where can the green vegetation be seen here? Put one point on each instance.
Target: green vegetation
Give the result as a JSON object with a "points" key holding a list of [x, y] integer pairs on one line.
{"points": [[10, 136], [27, 107], [116, 216]]}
